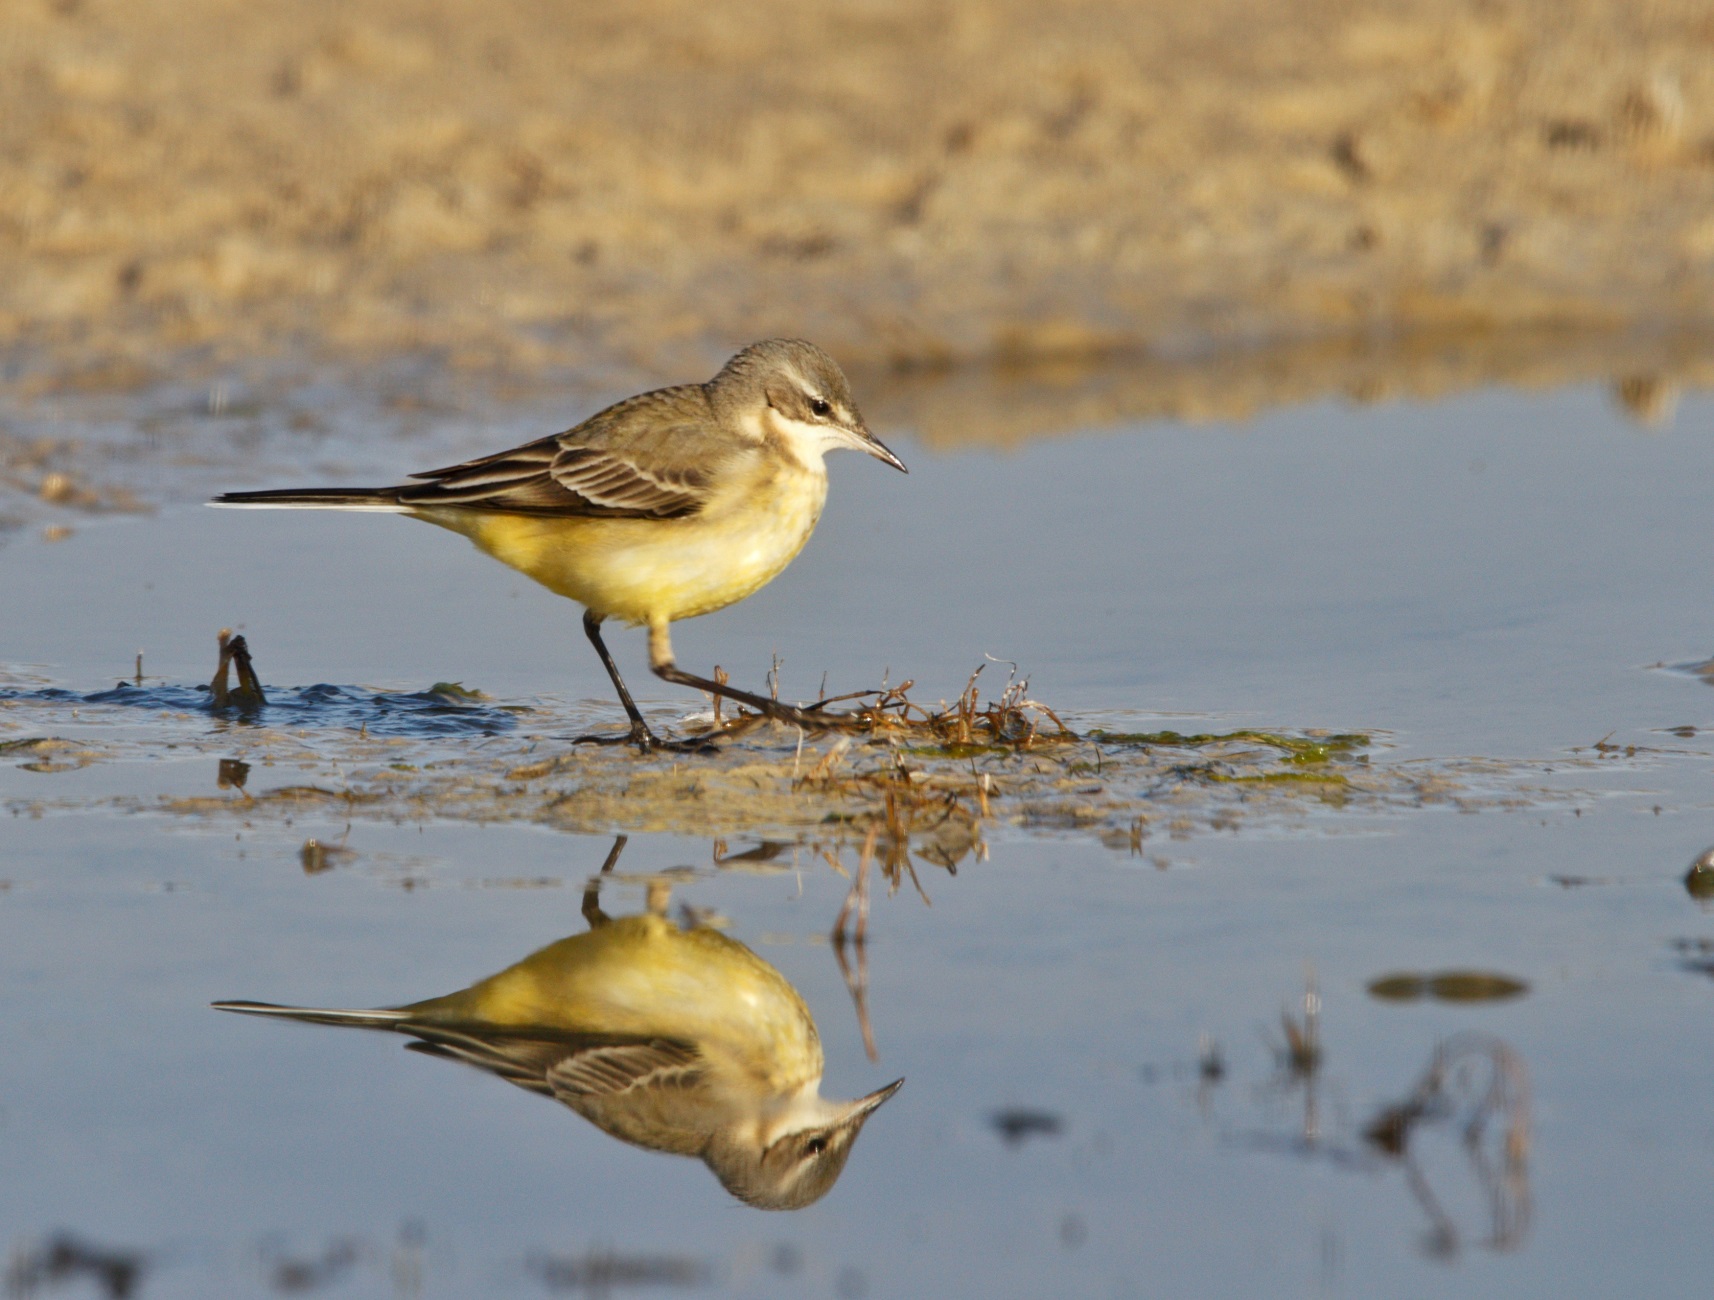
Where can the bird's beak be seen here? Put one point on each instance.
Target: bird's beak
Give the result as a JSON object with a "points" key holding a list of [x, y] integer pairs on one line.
{"points": [[878, 449], [864, 1107]]}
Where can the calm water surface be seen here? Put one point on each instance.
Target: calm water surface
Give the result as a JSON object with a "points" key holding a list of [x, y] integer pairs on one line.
{"points": [[1100, 1097]]}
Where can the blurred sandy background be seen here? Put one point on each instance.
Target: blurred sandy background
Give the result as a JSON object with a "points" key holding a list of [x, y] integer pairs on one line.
{"points": [[533, 185]]}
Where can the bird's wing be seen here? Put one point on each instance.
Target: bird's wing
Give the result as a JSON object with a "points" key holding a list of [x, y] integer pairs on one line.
{"points": [[517, 1059], [650, 457], [622, 1067], [563, 1065]]}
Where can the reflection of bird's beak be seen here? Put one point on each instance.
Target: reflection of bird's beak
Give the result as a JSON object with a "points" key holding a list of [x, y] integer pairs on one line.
{"points": [[878, 449], [864, 1107]]}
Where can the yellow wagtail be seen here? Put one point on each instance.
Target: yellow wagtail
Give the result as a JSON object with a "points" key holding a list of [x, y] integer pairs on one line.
{"points": [[678, 1040], [667, 505]]}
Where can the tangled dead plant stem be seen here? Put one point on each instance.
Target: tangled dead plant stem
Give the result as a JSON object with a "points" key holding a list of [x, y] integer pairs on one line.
{"points": [[968, 726]]}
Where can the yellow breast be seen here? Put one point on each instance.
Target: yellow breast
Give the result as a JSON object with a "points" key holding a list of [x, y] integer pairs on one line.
{"points": [[645, 570]]}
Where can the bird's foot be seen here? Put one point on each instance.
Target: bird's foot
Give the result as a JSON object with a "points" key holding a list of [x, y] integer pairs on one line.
{"points": [[639, 735], [689, 745], [647, 742]]}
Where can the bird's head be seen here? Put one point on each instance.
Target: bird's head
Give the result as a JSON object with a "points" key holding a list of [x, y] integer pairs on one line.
{"points": [[792, 390], [795, 1160]]}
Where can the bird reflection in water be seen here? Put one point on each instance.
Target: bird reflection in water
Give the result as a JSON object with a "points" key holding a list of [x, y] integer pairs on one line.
{"points": [[673, 1038]]}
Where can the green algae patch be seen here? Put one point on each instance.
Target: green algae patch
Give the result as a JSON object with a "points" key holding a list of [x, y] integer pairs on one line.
{"points": [[1266, 778], [1447, 986], [457, 691], [1306, 749]]}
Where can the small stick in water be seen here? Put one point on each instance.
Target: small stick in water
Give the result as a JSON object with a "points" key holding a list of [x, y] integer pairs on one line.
{"points": [[234, 651]]}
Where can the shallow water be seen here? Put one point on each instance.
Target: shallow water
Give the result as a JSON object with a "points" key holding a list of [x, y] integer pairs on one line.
{"points": [[1501, 576]]}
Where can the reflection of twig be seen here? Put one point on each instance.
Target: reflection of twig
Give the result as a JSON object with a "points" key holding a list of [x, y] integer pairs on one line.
{"points": [[1473, 1083], [858, 895], [291, 1275], [317, 857], [1210, 1070], [1300, 1057], [1303, 1041], [232, 774], [858, 982], [1484, 1082]]}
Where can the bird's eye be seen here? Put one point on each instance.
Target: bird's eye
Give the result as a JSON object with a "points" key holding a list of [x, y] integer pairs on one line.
{"points": [[820, 407], [816, 1145]]}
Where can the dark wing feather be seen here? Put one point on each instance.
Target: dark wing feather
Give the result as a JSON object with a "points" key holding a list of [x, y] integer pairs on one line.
{"points": [[522, 1061], [648, 457], [562, 1065]]}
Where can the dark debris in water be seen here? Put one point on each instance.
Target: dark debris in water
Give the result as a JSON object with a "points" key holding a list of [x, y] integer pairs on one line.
{"points": [[1695, 955], [1018, 1124], [299, 1276], [601, 1271], [439, 711], [64, 1259]]}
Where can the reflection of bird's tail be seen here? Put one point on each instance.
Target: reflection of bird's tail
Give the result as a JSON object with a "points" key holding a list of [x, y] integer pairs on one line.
{"points": [[317, 1015], [386, 498]]}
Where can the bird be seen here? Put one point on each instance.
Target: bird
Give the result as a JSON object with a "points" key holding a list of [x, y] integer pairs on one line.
{"points": [[676, 1039], [670, 504]]}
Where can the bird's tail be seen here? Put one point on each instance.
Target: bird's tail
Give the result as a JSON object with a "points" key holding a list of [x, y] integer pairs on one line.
{"points": [[382, 1019], [386, 498]]}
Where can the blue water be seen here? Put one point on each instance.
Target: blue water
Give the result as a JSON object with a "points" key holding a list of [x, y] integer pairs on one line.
{"points": [[1495, 575]]}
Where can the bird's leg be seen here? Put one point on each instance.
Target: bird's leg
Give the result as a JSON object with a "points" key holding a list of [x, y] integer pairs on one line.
{"points": [[592, 891], [662, 665], [639, 735]]}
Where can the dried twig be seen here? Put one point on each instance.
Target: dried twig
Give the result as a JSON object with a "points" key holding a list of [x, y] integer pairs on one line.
{"points": [[235, 653]]}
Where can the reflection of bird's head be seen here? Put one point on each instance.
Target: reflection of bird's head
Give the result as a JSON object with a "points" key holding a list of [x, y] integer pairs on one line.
{"points": [[795, 1161]]}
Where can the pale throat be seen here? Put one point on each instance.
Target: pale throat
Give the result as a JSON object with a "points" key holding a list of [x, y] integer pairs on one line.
{"points": [[806, 444], [793, 1112]]}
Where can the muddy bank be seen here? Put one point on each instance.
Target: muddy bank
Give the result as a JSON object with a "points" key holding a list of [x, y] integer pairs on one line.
{"points": [[537, 185], [445, 755]]}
